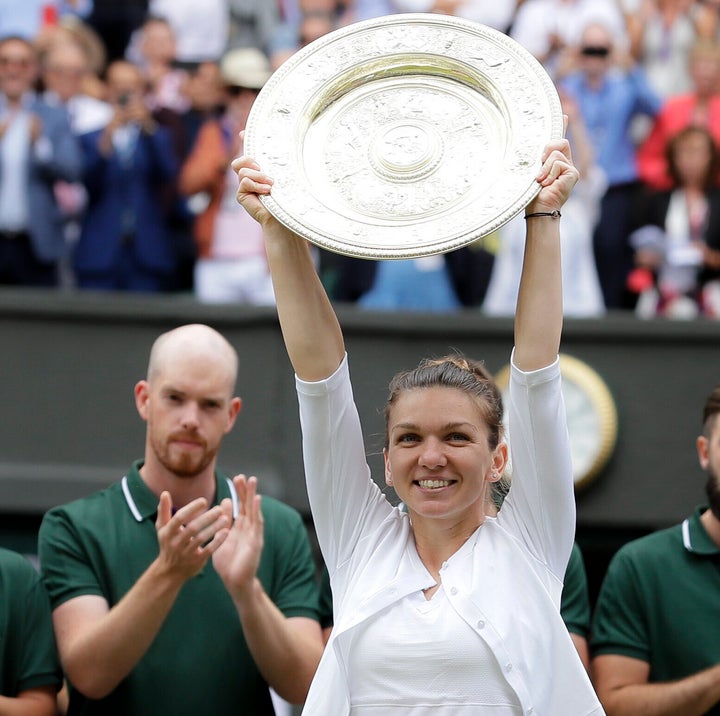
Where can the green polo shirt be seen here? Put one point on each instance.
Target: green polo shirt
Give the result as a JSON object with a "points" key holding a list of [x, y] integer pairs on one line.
{"points": [[199, 663], [28, 657], [575, 600], [660, 602]]}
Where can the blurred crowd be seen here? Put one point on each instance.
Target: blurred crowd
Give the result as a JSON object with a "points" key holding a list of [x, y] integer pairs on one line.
{"points": [[118, 122]]}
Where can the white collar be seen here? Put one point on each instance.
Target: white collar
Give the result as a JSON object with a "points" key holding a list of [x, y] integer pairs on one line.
{"points": [[139, 518]]}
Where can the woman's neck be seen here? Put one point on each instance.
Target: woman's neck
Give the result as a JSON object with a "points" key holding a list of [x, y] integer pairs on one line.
{"points": [[438, 540]]}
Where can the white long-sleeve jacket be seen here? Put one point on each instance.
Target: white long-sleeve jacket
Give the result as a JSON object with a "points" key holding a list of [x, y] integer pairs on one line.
{"points": [[507, 589]]}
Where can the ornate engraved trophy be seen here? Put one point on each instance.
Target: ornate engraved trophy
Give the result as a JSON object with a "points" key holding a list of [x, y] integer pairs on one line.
{"points": [[403, 136]]}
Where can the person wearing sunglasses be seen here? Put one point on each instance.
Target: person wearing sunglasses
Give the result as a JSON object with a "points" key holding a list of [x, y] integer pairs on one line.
{"points": [[611, 93]]}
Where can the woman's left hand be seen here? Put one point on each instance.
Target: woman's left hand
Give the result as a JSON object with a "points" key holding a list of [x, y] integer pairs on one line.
{"points": [[557, 177]]}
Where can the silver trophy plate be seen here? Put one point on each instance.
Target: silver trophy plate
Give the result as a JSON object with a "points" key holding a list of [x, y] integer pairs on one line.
{"points": [[403, 136]]}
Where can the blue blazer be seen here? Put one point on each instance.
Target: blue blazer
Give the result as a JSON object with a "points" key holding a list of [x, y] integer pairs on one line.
{"points": [[59, 159], [138, 187]]}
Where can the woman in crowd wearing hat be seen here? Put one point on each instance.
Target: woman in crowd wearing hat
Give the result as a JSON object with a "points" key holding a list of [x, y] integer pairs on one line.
{"points": [[231, 265], [440, 610]]}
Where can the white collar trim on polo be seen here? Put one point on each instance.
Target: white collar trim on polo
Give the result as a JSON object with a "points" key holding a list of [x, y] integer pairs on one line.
{"points": [[139, 518], [686, 535]]}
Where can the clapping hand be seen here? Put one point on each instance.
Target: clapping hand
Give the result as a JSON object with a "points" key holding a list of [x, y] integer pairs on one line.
{"points": [[188, 538], [237, 560]]}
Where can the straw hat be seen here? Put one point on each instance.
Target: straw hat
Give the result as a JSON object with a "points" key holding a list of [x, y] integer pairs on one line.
{"points": [[245, 67]]}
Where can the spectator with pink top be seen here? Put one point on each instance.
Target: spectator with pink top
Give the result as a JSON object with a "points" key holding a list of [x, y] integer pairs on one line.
{"points": [[231, 265], [700, 106]]}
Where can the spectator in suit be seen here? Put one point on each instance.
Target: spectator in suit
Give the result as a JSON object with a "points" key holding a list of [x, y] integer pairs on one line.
{"points": [[37, 148], [65, 66], [129, 174]]}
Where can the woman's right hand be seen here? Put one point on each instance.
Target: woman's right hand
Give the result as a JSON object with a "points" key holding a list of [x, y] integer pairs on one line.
{"points": [[252, 183]]}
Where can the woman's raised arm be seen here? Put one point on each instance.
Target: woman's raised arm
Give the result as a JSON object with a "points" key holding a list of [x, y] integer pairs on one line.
{"points": [[309, 325], [312, 334], [539, 313]]}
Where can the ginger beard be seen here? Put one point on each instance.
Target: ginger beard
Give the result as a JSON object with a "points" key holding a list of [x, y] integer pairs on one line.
{"points": [[183, 454]]}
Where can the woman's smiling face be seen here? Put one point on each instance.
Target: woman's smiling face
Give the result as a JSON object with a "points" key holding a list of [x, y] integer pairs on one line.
{"points": [[438, 458]]}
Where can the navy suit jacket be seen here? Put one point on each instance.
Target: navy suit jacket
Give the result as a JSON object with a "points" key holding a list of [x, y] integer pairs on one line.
{"points": [[56, 156], [116, 190]]}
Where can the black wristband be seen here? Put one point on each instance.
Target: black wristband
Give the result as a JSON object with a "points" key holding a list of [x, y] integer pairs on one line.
{"points": [[555, 214]]}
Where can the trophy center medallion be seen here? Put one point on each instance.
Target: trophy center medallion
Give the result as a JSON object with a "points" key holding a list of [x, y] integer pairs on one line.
{"points": [[405, 151]]}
